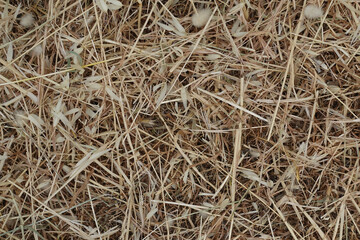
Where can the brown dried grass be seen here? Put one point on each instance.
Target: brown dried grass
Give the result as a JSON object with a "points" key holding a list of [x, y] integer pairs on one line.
{"points": [[124, 128]]}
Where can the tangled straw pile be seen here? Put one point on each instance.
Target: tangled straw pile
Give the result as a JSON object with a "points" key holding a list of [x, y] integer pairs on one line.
{"points": [[123, 120]]}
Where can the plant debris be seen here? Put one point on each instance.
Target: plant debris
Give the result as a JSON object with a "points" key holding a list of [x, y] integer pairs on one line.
{"points": [[181, 119]]}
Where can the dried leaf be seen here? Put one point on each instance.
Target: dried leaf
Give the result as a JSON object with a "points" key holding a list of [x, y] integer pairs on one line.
{"points": [[44, 184], [177, 25], [34, 98], [36, 120], [90, 131], [66, 122], [172, 29], [321, 64], [94, 86], [102, 5], [167, 27], [334, 88], [184, 96], [59, 139], [10, 53], [55, 112], [239, 34], [90, 113], [112, 95], [114, 4], [3, 158], [302, 148], [162, 95], [94, 78], [254, 177], [254, 153], [151, 213], [235, 27], [212, 56], [86, 161], [236, 8], [72, 111]]}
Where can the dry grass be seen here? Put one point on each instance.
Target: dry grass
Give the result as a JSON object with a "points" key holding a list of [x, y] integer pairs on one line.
{"points": [[134, 124]]}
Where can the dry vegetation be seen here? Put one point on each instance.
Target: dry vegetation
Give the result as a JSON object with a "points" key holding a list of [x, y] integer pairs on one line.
{"points": [[135, 124]]}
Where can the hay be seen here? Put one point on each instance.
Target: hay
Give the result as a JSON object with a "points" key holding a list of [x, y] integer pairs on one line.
{"points": [[122, 120]]}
